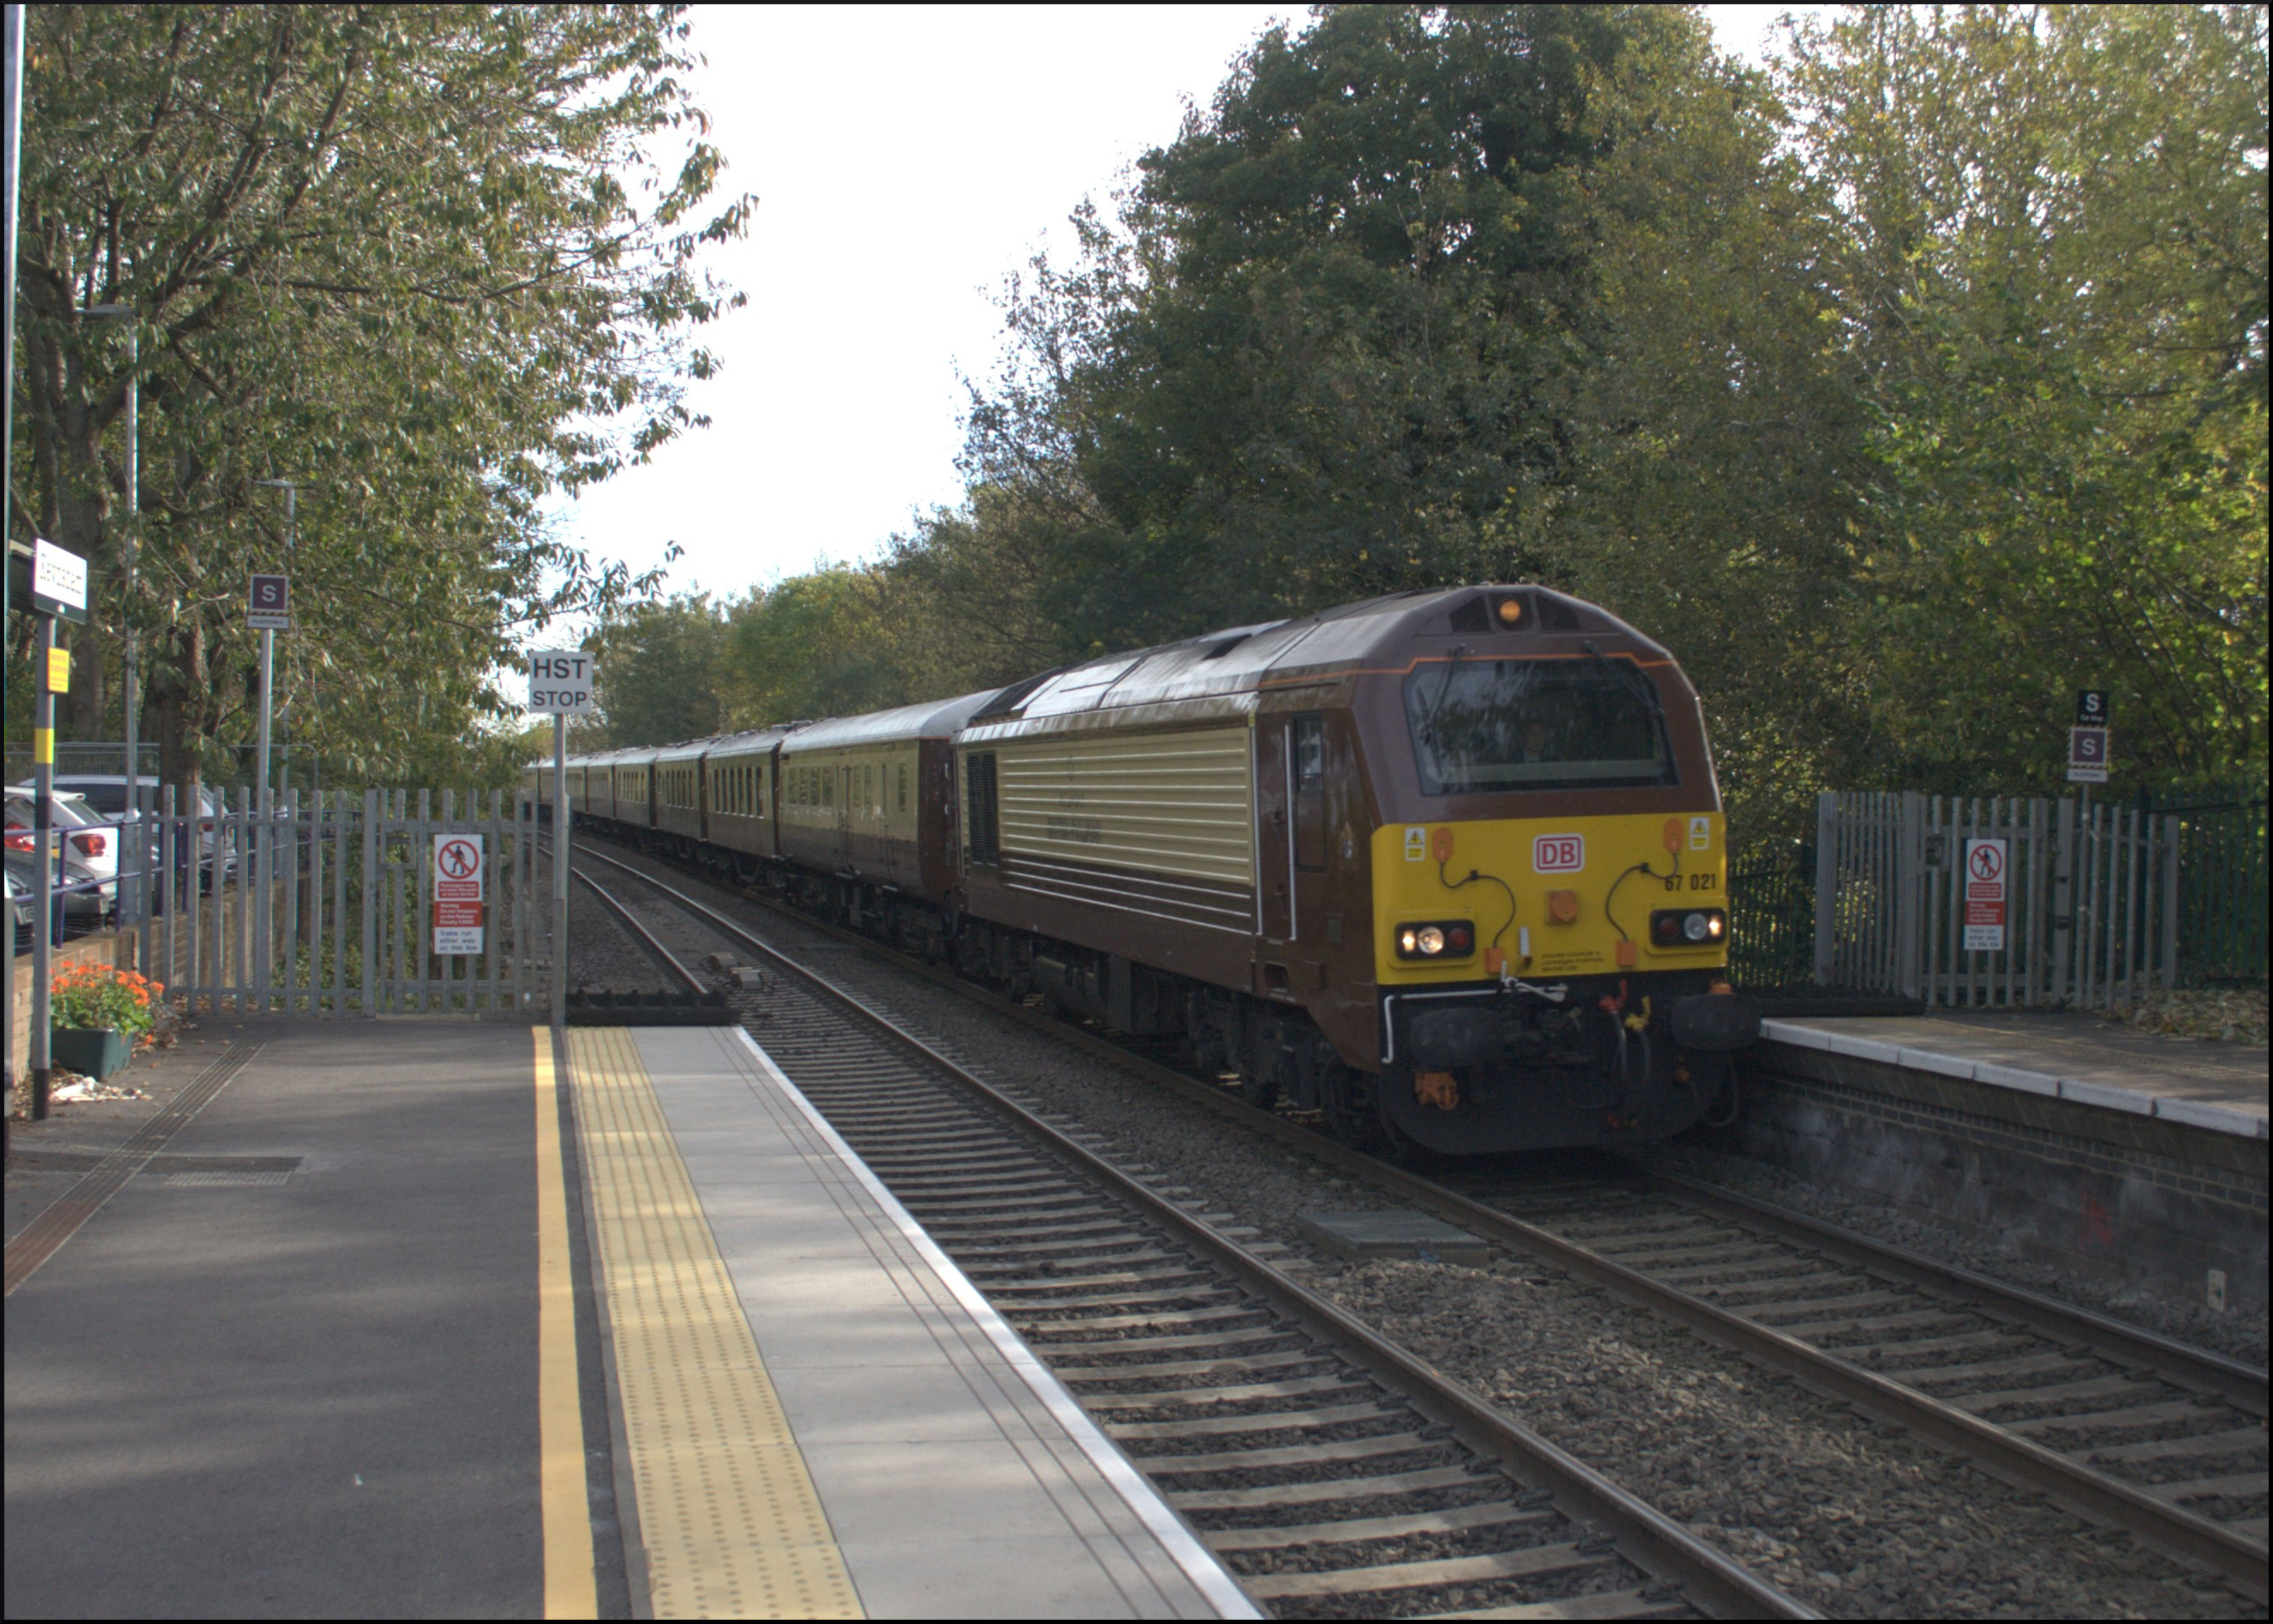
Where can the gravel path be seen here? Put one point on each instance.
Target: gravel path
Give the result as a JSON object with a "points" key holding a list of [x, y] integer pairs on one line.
{"points": [[1855, 1524]]}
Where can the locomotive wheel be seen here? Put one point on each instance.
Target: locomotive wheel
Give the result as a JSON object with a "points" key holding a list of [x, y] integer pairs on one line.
{"points": [[1259, 1090], [1349, 1099]]}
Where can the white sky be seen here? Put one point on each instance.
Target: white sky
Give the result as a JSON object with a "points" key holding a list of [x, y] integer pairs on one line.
{"points": [[887, 222]]}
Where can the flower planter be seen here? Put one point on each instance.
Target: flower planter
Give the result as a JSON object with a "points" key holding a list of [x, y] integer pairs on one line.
{"points": [[93, 1051]]}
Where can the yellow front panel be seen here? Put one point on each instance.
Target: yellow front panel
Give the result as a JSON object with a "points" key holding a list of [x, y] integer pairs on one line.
{"points": [[1534, 857]]}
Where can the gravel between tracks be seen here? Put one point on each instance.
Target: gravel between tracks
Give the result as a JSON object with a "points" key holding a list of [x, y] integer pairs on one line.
{"points": [[1857, 1524]]}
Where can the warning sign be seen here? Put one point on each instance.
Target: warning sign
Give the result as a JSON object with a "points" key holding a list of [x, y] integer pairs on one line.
{"points": [[460, 875], [1986, 895], [458, 927]]}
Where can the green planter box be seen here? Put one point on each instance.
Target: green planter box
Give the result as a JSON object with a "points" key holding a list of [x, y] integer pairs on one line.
{"points": [[95, 1052]]}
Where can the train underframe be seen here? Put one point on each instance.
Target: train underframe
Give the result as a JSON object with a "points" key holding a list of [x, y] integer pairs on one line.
{"points": [[1467, 1071]]}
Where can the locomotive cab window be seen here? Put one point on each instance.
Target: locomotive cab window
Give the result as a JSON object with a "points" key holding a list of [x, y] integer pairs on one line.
{"points": [[1484, 725]]}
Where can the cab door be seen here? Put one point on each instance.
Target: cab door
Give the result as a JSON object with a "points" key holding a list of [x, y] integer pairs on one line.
{"points": [[1274, 833]]}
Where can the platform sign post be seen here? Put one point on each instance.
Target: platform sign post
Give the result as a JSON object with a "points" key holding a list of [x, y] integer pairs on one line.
{"points": [[560, 680], [1986, 894], [58, 583], [460, 874], [2090, 748]]}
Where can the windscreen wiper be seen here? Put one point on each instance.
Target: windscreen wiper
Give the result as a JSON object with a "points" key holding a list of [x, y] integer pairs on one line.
{"points": [[1630, 677]]}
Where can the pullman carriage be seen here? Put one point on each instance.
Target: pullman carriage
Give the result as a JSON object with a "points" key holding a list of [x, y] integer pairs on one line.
{"points": [[738, 776], [868, 803], [677, 772]]}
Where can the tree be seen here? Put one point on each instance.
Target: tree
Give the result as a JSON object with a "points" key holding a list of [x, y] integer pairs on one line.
{"points": [[2045, 235], [663, 667], [1306, 363], [392, 254]]}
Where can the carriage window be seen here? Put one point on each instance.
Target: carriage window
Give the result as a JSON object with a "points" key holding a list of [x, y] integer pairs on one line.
{"points": [[904, 786], [1483, 725]]}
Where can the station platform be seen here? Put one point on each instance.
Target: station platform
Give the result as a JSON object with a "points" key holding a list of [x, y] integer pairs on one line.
{"points": [[429, 1318], [2065, 1138]]}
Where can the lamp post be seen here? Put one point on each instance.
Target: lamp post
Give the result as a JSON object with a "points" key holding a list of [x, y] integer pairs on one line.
{"points": [[133, 894]]}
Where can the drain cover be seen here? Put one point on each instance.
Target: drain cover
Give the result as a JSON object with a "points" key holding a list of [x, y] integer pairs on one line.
{"points": [[175, 1181], [1363, 1236]]}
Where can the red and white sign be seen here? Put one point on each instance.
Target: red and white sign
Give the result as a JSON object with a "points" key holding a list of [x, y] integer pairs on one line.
{"points": [[1986, 895], [1559, 854], [460, 875], [458, 868]]}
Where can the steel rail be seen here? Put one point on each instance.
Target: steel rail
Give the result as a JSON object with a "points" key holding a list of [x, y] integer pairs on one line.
{"points": [[2235, 1557], [646, 939], [1648, 1538], [2242, 1386]]}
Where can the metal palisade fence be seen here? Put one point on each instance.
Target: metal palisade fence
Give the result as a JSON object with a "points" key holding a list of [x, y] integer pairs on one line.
{"points": [[329, 907], [1995, 901], [2222, 890]]}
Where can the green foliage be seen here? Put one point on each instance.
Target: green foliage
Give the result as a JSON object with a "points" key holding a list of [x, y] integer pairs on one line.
{"points": [[429, 263], [1900, 390]]}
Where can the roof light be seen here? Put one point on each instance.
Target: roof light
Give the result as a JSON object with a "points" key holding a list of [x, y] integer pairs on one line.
{"points": [[1510, 611]]}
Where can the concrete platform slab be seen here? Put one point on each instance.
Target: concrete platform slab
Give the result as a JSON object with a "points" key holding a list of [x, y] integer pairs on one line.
{"points": [[2221, 1088], [951, 1474]]}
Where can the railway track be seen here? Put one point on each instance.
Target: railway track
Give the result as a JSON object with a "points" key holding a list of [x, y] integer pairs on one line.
{"points": [[1334, 1471], [2130, 1430]]}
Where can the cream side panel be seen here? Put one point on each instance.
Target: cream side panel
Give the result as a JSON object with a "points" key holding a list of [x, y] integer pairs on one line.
{"points": [[1175, 804]]}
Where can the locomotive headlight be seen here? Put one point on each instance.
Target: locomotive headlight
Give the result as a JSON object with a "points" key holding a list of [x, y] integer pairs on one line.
{"points": [[1439, 939], [1679, 930]]}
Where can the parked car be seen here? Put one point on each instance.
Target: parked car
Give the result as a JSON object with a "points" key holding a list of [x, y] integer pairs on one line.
{"points": [[85, 902], [106, 793], [92, 838], [19, 911]]}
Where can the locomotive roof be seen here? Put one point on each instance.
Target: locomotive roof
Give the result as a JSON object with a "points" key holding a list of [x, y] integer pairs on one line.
{"points": [[1238, 660], [933, 719]]}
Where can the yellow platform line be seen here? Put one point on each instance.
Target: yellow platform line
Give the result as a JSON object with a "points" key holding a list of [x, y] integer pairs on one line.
{"points": [[728, 1515], [569, 1587]]}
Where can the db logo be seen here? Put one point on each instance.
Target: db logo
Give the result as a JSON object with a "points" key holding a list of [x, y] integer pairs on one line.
{"points": [[1559, 854]]}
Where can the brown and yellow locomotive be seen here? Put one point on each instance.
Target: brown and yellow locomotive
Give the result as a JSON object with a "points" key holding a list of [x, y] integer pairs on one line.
{"points": [[1447, 866]]}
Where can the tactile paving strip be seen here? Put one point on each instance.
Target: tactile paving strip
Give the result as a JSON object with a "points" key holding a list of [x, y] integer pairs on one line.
{"points": [[732, 1525]]}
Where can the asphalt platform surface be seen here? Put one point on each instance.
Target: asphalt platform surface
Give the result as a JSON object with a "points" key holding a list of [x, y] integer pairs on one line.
{"points": [[236, 1395]]}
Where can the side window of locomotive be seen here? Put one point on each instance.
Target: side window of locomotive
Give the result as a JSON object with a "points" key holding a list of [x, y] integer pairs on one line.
{"points": [[982, 815], [1485, 726], [1310, 753]]}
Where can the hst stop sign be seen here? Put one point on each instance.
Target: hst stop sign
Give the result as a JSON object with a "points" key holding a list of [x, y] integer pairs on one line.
{"points": [[560, 680]]}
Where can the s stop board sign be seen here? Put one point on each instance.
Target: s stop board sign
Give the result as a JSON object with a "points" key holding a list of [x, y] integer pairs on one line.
{"points": [[460, 878], [1986, 895]]}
